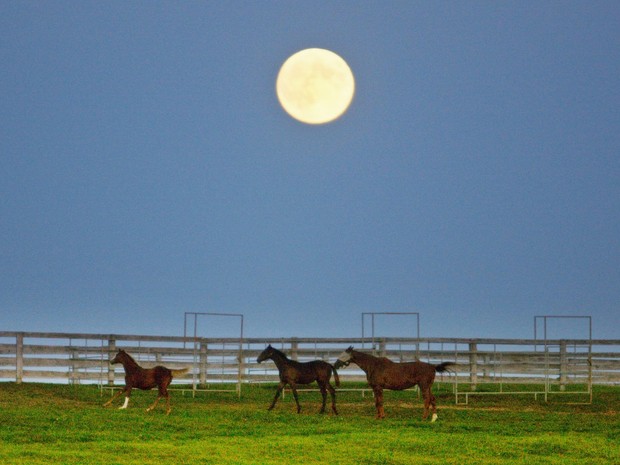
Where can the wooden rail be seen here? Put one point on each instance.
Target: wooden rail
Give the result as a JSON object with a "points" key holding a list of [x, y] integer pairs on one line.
{"points": [[83, 358]]}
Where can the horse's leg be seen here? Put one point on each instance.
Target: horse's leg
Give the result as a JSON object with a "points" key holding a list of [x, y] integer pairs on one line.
{"points": [[159, 396], [162, 392], [378, 391], [127, 391], [433, 406], [168, 407], [294, 389], [167, 395], [152, 407], [324, 395], [114, 397], [429, 402], [278, 392], [332, 393]]}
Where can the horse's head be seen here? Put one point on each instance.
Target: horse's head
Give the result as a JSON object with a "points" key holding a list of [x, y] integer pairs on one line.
{"points": [[265, 354], [344, 358], [120, 356]]}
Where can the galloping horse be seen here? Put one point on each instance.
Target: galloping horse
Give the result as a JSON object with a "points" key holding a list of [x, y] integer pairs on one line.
{"points": [[294, 373], [382, 373], [145, 379]]}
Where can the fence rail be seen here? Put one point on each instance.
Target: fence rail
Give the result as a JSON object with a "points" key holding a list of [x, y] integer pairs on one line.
{"points": [[83, 358]]}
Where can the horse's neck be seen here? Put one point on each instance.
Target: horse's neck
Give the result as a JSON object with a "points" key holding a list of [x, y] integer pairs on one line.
{"points": [[131, 365], [365, 361], [279, 359]]}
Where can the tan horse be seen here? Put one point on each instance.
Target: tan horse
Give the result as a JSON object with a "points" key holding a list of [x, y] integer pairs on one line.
{"points": [[382, 373]]}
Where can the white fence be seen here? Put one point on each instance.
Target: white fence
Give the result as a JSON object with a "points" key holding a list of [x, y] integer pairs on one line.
{"points": [[559, 365]]}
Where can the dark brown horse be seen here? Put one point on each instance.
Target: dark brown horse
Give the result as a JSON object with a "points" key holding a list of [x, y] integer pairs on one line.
{"points": [[382, 373], [144, 378], [294, 373]]}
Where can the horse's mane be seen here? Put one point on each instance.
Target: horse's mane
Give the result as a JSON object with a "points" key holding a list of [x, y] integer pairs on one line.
{"points": [[372, 358], [363, 354], [279, 352], [130, 359]]}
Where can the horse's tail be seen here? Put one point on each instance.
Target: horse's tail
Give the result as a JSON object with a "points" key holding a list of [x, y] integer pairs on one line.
{"points": [[442, 367], [180, 372], [336, 377]]}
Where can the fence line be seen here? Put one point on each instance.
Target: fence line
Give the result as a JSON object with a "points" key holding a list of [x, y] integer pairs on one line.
{"points": [[83, 358]]}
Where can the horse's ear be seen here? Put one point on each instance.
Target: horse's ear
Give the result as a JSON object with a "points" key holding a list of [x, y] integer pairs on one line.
{"points": [[269, 346], [350, 349]]}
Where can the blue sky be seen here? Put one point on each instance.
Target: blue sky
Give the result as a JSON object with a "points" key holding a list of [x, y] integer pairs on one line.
{"points": [[148, 169]]}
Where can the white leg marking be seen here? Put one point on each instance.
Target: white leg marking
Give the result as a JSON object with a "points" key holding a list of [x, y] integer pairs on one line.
{"points": [[434, 419], [125, 404]]}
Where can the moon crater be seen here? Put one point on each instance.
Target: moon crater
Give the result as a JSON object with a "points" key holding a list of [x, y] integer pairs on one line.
{"points": [[315, 86]]}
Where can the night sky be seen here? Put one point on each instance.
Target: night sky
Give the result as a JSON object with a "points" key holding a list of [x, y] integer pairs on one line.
{"points": [[148, 169]]}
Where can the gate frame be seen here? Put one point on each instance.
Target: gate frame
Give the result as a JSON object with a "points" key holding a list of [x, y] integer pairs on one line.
{"points": [[546, 380], [196, 354], [372, 337], [547, 345], [372, 323]]}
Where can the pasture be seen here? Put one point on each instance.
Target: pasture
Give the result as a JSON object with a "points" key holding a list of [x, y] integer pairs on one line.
{"points": [[64, 424]]}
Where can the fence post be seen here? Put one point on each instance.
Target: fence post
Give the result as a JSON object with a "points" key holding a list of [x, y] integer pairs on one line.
{"points": [[202, 369], [473, 365], [294, 349], [241, 368], [73, 378], [19, 358], [563, 366], [382, 347], [111, 350]]}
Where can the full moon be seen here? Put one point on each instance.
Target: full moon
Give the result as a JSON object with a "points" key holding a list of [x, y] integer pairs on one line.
{"points": [[315, 86]]}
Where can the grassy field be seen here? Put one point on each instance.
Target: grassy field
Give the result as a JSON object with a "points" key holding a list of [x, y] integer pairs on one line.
{"points": [[59, 424]]}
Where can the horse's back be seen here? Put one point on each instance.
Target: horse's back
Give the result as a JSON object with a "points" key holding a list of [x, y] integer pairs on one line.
{"points": [[149, 378], [421, 370], [398, 376], [307, 372], [314, 365], [163, 374], [321, 364]]}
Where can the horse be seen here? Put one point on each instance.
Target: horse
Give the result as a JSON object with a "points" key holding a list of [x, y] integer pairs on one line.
{"points": [[294, 373], [382, 373], [145, 379]]}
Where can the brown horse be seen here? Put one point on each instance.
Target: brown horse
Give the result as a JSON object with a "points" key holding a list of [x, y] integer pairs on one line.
{"points": [[382, 373], [294, 373], [145, 379]]}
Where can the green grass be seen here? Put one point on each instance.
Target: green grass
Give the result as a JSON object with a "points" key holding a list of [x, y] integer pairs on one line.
{"points": [[59, 424]]}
